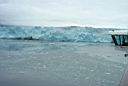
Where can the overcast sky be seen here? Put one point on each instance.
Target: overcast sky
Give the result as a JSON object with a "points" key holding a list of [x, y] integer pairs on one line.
{"points": [[98, 13]]}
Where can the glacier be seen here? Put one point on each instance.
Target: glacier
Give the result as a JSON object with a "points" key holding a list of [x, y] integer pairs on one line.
{"points": [[55, 34]]}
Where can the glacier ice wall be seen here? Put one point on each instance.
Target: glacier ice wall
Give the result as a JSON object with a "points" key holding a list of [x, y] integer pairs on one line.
{"points": [[56, 34]]}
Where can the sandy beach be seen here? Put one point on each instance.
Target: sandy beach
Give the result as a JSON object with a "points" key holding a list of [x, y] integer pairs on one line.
{"points": [[37, 63]]}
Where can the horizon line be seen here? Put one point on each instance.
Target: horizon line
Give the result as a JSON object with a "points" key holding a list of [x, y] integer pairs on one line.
{"points": [[75, 25]]}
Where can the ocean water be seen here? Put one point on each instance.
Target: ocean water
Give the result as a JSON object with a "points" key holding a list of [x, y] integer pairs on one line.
{"points": [[60, 57]]}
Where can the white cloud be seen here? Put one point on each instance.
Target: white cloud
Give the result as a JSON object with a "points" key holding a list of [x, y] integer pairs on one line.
{"points": [[106, 13]]}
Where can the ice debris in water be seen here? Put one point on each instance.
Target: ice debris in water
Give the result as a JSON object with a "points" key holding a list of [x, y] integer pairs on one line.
{"points": [[46, 52], [21, 72], [91, 70], [87, 78], [38, 63], [83, 68], [44, 66], [108, 73], [60, 56], [113, 81]]}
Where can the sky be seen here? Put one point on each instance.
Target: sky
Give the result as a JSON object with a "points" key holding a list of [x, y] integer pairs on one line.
{"points": [[96, 13]]}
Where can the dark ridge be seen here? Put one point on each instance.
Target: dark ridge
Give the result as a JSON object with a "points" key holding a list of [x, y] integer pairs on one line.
{"points": [[21, 38]]}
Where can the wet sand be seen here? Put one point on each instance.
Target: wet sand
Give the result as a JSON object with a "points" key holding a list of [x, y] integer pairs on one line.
{"points": [[36, 63]]}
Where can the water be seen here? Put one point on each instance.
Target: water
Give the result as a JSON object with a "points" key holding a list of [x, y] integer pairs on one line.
{"points": [[39, 63], [59, 56]]}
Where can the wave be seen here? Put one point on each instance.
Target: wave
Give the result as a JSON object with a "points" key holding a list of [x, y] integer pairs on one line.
{"points": [[55, 34]]}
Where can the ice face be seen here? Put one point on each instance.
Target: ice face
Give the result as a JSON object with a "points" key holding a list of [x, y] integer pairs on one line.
{"points": [[56, 34]]}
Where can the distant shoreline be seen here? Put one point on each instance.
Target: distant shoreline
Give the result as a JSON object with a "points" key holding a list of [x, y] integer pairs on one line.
{"points": [[68, 26]]}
